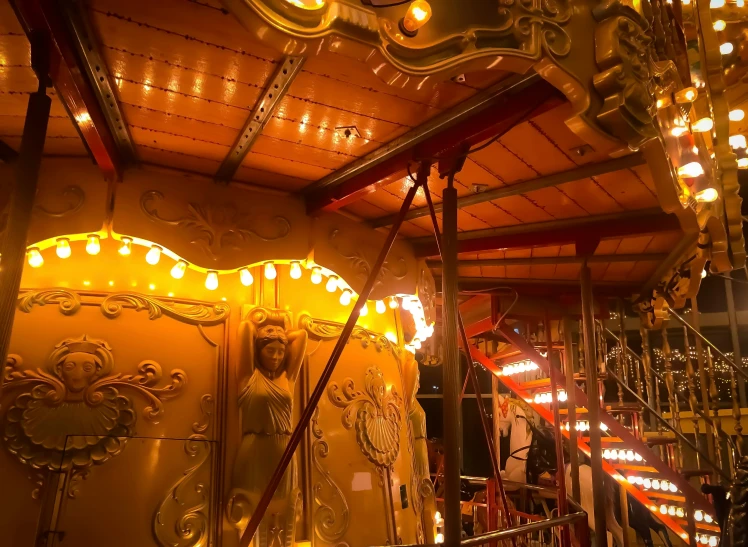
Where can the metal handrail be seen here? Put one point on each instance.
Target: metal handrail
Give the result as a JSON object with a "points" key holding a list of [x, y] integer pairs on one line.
{"points": [[669, 426], [677, 395], [510, 533], [686, 324]]}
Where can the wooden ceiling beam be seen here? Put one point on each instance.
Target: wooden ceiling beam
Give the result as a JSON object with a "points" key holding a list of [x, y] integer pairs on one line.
{"points": [[554, 260], [515, 189], [69, 75], [488, 114], [263, 110], [584, 231]]}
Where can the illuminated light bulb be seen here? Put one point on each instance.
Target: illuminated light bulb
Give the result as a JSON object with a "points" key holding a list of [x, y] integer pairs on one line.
{"points": [[671, 511], [345, 297], [393, 303], [614, 454], [364, 310], [664, 486], [691, 170], [177, 272], [715, 4], [406, 304], [606, 453], [704, 539], [680, 513], [678, 130], [437, 517], [416, 343], [440, 538], [631, 479], [562, 396], [708, 518], [736, 115], [698, 516], [270, 272], [153, 255], [686, 95], [603, 427], [639, 480], [307, 4], [663, 102], [703, 273], [739, 3], [418, 14], [295, 270], [673, 488], [245, 276], [211, 280], [737, 141], [316, 275], [663, 509], [719, 25], [332, 283], [630, 455], [647, 484], [380, 306], [93, 245], [638, 457], [703, 125], [656, 484], [537, 398], [34, 257], [726, 48], [707, 195], [713, 541], [742, 163], [126, 247], [63, 247]]}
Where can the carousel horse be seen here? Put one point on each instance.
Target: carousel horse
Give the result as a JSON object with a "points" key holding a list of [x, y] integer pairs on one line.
{"points": [[514, 424]]}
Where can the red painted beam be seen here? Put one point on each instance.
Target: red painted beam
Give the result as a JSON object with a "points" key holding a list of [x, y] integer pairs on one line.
{"points": [[589, 232], [391, 162], [70, 80]]}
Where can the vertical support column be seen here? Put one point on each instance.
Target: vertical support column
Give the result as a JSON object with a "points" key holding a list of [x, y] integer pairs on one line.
{"points": [[738, 360], [24, 191], [451, 370], [703, 377], [593, 410], [623, 354], [571, 406], [672, 400]]}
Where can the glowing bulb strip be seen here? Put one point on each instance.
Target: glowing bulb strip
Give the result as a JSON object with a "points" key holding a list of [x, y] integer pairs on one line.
{"points": [[622, 455], [518, 368], [547, 398]]}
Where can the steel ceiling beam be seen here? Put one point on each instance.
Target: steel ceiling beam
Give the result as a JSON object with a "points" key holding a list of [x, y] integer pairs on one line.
{"points": [[274, 91], [515, 189], [539, 287], [554, 260], [487, 114], [68, 74], [7, 154], [583, 232]]}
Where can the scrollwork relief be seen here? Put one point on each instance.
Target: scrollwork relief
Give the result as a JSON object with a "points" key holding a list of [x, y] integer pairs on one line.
{"points": [[375, 414], [329, 525], [322, 329], [182, 517], [361, 265], [73, 415], [68, 301], [197, 314], [215, 228], [75, 198]]}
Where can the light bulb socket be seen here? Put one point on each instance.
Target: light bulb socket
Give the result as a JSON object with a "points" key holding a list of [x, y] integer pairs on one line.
{"points": [[405, 31]]}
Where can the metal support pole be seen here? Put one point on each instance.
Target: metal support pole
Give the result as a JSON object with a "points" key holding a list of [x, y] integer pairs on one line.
{"points": [[703, 377], [571, 407], [451, 369], [593, 409], [22, 200], [561, 500], [736, 354], [298, 432]]}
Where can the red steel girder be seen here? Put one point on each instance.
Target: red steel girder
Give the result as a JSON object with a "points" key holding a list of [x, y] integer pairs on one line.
{"points": [[592, 232], [71, 82], [391, 162]]}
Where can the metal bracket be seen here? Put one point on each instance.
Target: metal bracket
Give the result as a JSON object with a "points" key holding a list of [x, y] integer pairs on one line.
{"points": [[261, 113], [88, 50]]}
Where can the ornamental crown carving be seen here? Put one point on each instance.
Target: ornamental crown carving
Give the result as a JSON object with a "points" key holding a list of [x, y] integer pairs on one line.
{"points": [[72, 414]]}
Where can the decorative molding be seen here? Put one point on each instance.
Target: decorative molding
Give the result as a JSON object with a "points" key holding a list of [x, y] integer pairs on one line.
{"points": [[361, 266], [215, 228], [193, 314], [73, 415], [182, 518], [76, 200], [322, 329], [375, 414], [68, 301], [326, 524]]}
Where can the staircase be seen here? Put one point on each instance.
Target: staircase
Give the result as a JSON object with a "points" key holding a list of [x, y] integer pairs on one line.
{"points": [[644, 464]]}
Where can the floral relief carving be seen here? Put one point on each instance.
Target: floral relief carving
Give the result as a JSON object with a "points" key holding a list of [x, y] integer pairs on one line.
{"points": [[182, 517], [328, 525], [537, 25], [68, 301], [375, 414], [322, 329], [216, 228], [72, 414], [197, 314], [361, 265]]}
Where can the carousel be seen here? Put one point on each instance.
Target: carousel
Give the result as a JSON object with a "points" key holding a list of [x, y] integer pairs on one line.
{"points": [[235, 233]]}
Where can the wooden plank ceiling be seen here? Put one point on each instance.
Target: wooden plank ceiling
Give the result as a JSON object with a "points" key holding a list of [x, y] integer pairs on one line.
{"points": [[187, 76]]}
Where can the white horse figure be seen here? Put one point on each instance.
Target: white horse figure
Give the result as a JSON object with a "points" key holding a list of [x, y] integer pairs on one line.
{"points": [[614, 532], [513, 422]]}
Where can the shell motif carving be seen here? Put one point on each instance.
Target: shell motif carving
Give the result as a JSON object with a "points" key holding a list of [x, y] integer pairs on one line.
{"points": [[375, 414], [73, 415], [215, 228]]}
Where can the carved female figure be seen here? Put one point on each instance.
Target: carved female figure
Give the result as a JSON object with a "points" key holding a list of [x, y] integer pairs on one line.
{"points": [[269, 363]]}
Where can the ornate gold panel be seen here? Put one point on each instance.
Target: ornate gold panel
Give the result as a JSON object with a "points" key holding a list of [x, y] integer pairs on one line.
{"points": [[117, 401]]}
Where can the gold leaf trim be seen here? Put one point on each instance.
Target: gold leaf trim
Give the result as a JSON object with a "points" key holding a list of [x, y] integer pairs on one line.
{"points": [[68, 301], [194, 314]]}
